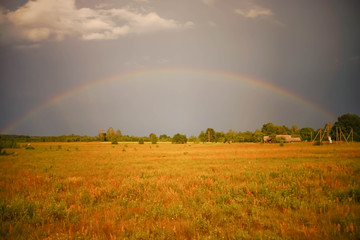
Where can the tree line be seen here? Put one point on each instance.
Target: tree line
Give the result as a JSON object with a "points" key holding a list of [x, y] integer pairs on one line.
{"points": [[346, 122]]}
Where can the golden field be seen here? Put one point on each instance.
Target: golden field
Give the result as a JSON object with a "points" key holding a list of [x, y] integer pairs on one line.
{"points": [[187, 191]]}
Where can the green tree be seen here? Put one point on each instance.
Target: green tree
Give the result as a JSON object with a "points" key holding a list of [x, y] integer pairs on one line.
{"points": [[153, 138], [210, 134], [179, 139], [295, 132], [110, 134], [118, 133], [268, 129], [193, 139], [248, 136], [258, 136], [283, 130], [102, 135], [347, 122], [230, 136], [202, 137], [220, 137], [307, 134], [164, 138]]}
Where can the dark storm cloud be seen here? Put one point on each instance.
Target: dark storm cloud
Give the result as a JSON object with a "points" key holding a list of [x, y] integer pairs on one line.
{"points": [[49, 47]]}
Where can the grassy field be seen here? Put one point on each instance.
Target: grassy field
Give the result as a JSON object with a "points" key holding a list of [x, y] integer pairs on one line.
{"points": [[191, 191]]}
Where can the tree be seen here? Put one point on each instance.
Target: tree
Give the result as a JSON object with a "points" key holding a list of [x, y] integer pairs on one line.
{"points": [[210, 134], [153, 138], [347, 122], [307, 134], [268, 129], [282, 130], [193, 139], [102, 135], [179, 139], [118, 133], [294, 131], [202, 137], [110, 134], [247, 136], [258, 136], [164, 138], [230, 136], [220, 137]]}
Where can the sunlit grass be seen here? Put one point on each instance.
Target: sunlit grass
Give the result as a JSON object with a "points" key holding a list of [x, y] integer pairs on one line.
{"points": [[190, 191]]}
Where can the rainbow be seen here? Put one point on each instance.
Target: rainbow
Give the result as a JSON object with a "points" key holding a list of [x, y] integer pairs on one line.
{"points": [[145, 72]]}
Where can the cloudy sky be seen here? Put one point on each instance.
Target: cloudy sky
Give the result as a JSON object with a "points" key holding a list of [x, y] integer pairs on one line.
{"points": [[168, 66]]}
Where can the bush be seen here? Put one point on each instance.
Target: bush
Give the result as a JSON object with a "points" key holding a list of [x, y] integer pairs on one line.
{"points": [[153, 138], [179, 139], [114, 142], [141, 141]]}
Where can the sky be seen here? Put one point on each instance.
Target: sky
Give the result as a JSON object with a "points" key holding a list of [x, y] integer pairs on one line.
{"points": [[169, 66]]}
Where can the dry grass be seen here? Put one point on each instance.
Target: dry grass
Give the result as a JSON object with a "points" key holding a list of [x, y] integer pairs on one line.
{"points": [[191, 191]]}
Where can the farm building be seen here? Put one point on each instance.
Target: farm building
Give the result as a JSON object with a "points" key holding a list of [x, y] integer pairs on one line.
{"points": [[287, 138]]}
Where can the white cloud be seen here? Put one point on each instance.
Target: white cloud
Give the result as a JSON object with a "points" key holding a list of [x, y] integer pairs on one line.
{"points": [[53, 20], [209, 2], [254, 11], [143, 23]]}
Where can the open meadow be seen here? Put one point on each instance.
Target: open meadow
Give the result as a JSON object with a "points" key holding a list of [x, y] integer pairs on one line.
{"points": [[180, 191]]}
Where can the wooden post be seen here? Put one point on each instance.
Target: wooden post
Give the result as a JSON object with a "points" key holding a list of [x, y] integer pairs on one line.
{"points": [[343, 136], [316, 136]]}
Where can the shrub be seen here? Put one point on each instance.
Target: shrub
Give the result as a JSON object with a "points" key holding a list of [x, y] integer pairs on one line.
{"points": [[114, 142], [57, 211], [141, 141], [153, 138], [179, 139]]}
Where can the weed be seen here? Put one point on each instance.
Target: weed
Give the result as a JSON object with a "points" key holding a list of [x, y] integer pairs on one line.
{"points": [[57, 211], [17, 210]]}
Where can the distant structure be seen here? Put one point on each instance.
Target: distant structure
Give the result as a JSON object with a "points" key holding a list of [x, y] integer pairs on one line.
{"points": [[340, 137], [267, 139], [287, 138]]}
